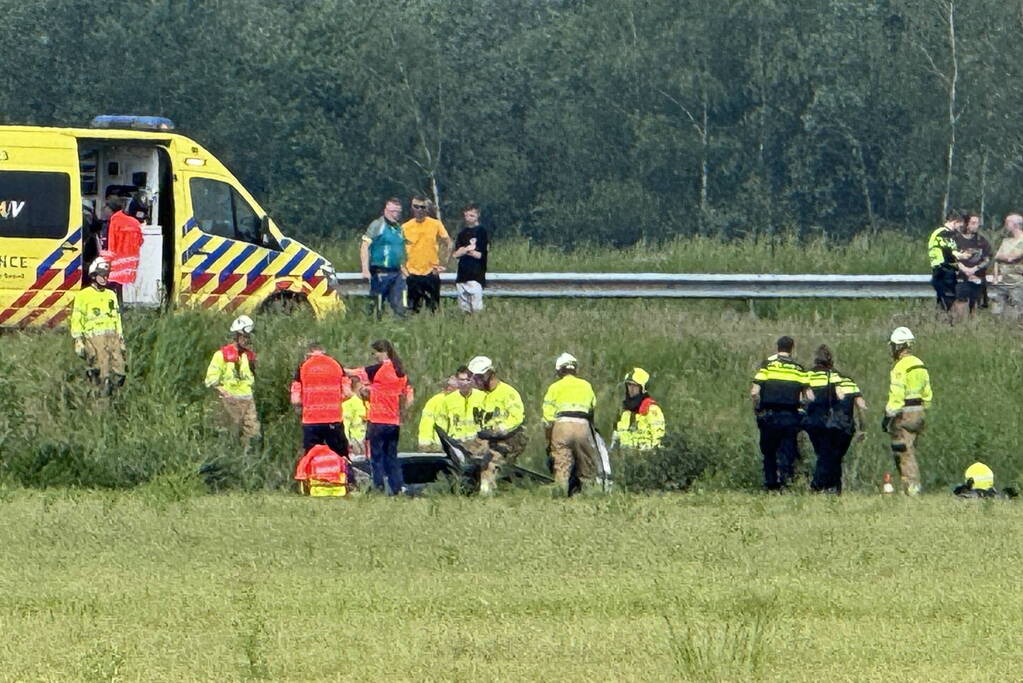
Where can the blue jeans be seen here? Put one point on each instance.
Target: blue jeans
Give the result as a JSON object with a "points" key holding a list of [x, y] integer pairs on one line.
{"points": [[383, 456], [387, 285]]}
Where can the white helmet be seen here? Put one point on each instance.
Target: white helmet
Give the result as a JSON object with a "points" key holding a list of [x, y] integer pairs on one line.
{"points": [[565, 360], [902, 335], [99, 264], [480, 365], [243, 324]]}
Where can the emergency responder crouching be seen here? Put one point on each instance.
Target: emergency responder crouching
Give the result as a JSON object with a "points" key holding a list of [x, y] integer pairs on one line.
{"points": [[640, 426], [460, 407], [96, 330], [780, 386], [435, 415], [909, 394], [979, 482], [231, 375], [568, 408], [501, 437]]}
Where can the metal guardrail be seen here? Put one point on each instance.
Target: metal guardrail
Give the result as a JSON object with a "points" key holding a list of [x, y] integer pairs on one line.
{"points": [[682, 286]]}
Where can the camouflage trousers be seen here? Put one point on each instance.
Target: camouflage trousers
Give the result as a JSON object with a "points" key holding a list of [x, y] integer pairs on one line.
{"points": [[498, 454], [1007, 300], [104, 360], [904, 429], [237, 417], [572, 448]]}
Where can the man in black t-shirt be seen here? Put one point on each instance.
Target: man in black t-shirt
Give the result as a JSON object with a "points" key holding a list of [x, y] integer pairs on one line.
{"points": [[471, 249], [973, 254]]}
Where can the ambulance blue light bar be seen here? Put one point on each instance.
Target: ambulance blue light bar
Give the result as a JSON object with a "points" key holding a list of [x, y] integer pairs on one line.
{"points": [[132, 122]]}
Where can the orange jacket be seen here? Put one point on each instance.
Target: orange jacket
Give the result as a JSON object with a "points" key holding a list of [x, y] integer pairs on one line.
{"points": [[124, 240], [385, 391], [320, 386]]}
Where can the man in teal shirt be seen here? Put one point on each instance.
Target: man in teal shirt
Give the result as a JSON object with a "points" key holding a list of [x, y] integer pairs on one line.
{"points": [[383, 260]]}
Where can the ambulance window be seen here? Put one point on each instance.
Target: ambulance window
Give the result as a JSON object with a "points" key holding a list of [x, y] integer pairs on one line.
{"points": [[220, 210], [34, 204]]}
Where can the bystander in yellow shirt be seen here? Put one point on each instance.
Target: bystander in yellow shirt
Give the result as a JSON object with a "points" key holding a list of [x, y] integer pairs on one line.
{"points": [[422, 250]]}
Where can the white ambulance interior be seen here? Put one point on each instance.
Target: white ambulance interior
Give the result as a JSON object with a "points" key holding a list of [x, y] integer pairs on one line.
{"points": [[138, 173]]}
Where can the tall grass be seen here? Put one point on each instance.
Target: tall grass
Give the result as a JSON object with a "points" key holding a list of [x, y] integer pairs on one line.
{"points": [[701, 354], [868, 253]]}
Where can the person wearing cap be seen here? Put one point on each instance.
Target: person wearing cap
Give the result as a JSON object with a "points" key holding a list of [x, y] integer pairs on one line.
{"points": [[231, 374], [501, 437], [460, 406], [780, 387], [640, 426], [435, 415], [422, 235], [568, 408], [383, 258], [96, 329], [909, 395]]}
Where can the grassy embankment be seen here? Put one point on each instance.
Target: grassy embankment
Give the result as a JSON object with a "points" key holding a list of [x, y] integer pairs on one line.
{"points": [[160, 585], [868, 253]]}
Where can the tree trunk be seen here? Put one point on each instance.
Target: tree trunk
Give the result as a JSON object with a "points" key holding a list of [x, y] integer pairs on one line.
{"points": [[953, 82]]}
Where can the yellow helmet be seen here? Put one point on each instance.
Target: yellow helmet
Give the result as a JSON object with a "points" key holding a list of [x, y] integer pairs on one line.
{"points": [[638, 376], [982, 476]]}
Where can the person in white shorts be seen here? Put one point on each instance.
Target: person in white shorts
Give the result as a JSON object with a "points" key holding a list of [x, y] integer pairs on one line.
{"points": [[471, 248]]}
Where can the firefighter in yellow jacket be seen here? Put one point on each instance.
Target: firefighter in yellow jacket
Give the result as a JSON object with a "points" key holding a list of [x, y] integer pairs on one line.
{"points": [[460, 406], [909, 394], [501, 437], [96, 329], [232, 375], [640, 427], [435, 415], [568, 408]]}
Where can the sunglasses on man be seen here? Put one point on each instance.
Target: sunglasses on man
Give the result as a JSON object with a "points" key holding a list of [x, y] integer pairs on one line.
{"points": [[419, 206]]}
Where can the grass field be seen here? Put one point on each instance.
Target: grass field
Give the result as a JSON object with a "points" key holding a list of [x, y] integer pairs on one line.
{"points": [[118, 564], [157, 584]]}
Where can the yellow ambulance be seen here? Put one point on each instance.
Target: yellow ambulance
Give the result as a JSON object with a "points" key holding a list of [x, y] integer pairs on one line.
{"points": [[206, 242]]}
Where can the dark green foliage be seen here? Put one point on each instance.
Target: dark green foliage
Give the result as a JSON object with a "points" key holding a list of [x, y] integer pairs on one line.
{"points": [[602, 121]]}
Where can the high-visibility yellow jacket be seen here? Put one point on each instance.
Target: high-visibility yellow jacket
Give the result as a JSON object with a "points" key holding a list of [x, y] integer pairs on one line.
{"points": [[781, 381], [434, 415], [940, 246], [354, 415], [94, 312], [234, 377], [501, 410], [641, 429], [570, 396], [910, 385], [461, 414]]}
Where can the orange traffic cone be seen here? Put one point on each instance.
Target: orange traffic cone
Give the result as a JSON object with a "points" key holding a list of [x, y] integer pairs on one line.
{"points": [[887, 486]]}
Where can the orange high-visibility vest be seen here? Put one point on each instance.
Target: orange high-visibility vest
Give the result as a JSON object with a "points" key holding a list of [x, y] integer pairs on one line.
{"points": [[124, 240], [323, 471], [385, 390], [319, 388]]}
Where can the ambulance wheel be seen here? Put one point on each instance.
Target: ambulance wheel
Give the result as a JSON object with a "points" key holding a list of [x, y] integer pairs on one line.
{"points": [[286, 303]]}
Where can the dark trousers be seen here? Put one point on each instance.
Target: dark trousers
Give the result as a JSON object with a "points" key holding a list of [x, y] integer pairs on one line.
{"points": [[830, 445], [943, 279], [778, 431], [383, 454], [423, 289], [389, 286], [330, 434]]}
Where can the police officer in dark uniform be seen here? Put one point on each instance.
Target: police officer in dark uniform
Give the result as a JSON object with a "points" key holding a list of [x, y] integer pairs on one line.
{"points": [[780, 386]]}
